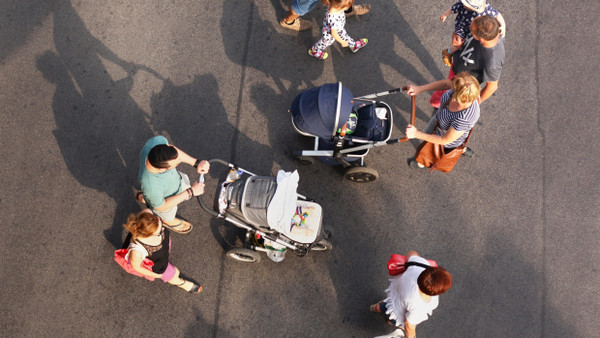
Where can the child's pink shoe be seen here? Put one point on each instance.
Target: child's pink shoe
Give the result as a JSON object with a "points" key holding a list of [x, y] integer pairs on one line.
{"points": [[322, 55], [359, 44]]}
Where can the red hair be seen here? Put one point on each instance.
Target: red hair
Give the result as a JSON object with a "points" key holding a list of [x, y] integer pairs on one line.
{"points": [[434, 281]]}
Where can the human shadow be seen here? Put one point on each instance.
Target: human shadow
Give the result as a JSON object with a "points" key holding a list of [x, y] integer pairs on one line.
{"points": [[99, 127], [383, 36], [17, 20], [282, 64], [193, 116]]}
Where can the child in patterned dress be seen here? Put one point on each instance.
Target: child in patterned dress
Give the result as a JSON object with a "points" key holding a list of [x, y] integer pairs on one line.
{"points": [[466, 11], [333, 30]]}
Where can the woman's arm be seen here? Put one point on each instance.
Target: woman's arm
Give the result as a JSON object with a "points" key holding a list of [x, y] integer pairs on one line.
{"points": [[135, 259], [450, 136], [437, 85]]}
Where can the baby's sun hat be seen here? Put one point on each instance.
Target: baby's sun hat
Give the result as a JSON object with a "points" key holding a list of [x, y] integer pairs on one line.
{"points": [[474, 5]]}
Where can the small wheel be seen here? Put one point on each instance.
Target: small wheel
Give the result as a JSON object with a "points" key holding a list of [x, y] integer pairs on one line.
{"points": [[301, 250], [361, 174], [306, 160], [244, 255], [322, 245]]}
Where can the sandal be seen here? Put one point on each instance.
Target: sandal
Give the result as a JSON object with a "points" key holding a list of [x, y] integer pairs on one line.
{"points": [[322, 55], [375, 307], [183, 227], [196, 289]]}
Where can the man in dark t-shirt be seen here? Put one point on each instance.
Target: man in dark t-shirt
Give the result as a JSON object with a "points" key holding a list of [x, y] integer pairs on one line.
{"points": [[482, 55]]}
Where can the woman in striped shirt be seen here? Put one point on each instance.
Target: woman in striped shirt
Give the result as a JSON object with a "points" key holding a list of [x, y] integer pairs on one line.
{"points": [[458, 113]]}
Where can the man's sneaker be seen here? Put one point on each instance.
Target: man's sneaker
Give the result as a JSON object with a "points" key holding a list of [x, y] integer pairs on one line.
{"points": [[447, 57], [359, 44], [468, 152], [297, 25], [359, 10], [322, 55]]}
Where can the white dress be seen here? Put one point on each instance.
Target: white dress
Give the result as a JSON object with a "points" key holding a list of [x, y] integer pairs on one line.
{"points": [[403, 299]]}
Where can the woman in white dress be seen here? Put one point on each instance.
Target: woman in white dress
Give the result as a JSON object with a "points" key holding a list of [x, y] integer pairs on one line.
{"points": [[413, 295]]}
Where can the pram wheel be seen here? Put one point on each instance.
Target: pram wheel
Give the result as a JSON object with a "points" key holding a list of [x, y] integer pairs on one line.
{"points": [[361, 174], [244, 255], [322, 245], [306, 160]]}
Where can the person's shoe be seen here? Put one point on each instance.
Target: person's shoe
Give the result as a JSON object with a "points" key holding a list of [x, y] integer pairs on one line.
{"points": [[468, 152], [297, 25], [375, 307], [359, 44], [398, 333], [359, 10], [322, 55], [194, 289], [416, 165], [447, 57], [183, 227]]}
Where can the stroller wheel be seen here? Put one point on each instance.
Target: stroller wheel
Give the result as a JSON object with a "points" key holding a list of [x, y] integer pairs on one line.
{"points": [[322, 245], [306, 160], [361, 174], [244, 255], [301, 250]]}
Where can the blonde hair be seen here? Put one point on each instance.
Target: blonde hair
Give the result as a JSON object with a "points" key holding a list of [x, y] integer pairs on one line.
{"points": [[142, 225], [465, 88]]}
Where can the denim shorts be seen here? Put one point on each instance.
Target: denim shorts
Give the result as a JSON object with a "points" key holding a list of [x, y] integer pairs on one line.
{"points": [[301, 7]]}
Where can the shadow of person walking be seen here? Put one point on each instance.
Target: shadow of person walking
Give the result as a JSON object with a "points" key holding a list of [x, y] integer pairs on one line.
{"points": [[99, 127]]}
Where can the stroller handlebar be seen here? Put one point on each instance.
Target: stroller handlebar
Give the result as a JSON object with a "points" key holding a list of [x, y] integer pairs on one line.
{"points": [[387, 92]]}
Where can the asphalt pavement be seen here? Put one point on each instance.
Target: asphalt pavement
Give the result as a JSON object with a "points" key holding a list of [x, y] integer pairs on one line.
{"points": [[83, 85]]}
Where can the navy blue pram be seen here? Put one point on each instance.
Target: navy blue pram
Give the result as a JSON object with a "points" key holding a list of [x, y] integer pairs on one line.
{"points": [[344, 127]]}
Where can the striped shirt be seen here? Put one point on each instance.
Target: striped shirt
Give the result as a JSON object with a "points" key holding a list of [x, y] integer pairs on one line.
{"points": [[462, 120]]}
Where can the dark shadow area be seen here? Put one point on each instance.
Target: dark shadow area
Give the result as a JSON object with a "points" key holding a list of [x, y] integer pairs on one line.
{"points": [[193, 117], [278, 51], [18, 18], [362, 72], [99, 127]]}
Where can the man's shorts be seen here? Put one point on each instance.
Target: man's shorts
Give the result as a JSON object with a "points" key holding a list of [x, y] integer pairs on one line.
{"points": [[169, 215]]}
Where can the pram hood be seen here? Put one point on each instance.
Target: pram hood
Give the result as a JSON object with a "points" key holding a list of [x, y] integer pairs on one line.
{"points": [[321, 111]]}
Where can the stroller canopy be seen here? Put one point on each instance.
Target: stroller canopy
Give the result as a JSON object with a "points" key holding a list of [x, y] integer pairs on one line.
{"points": [[321, 111]]}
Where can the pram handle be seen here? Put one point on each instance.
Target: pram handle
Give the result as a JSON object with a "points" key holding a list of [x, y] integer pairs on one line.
{"points": [[387, 92], [413, 109]]}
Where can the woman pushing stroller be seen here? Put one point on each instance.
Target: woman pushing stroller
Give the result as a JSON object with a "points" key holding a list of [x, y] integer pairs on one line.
{"points": [[458, 113]]}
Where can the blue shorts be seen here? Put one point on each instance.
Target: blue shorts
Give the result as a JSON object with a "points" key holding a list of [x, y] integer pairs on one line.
{"points": [[301, 7]]}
